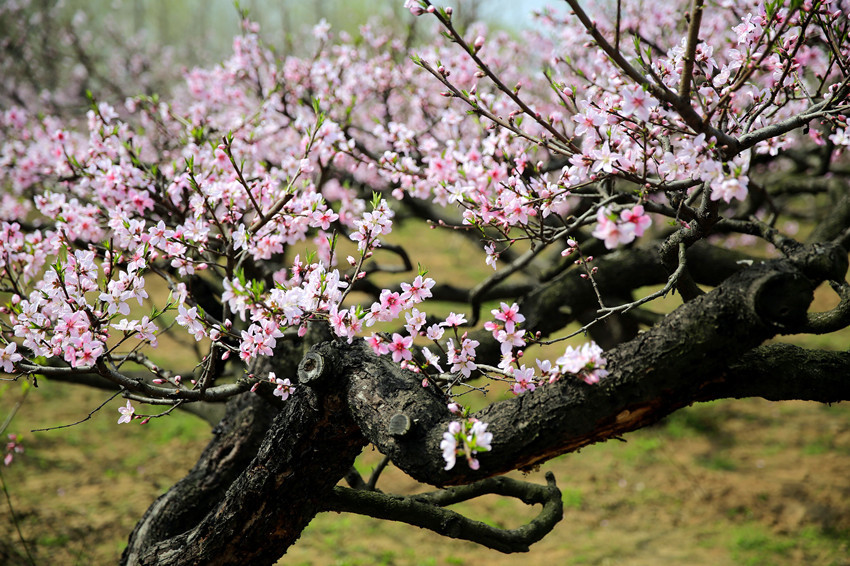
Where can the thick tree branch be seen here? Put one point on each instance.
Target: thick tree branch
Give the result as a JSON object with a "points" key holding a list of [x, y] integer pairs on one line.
{"points": [[699, 340], [426, 510], [307, 449], [834, 319], [778, 372]]}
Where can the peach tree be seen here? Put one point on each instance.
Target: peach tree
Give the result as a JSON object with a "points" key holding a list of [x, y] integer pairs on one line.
{"points": [[698, 150]]}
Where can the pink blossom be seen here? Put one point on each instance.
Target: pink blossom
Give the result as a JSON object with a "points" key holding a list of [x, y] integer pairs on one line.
{"points": [[13, 446], [637, 217], [400, 347], [605, 159], [612, 232], [432, 359], [586, 361], [492, 257], [728, 188], [126, 413], [284, 388], [189, 319], [524, 380], [454, 320], [463, 358], [510, 315], [389, 307], [449, 447], [418, 291], [434, 332], [8, 357], [415, 320], [378, 344]]}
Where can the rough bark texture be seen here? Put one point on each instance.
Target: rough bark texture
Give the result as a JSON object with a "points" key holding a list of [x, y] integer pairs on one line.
{"points": [[658, 372], [706, 349], [308, 447]]}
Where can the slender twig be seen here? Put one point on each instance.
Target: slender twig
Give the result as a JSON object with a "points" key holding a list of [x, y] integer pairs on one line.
{"points": [[13, 412], [227, 151], [99, 407], [479, 290], [671, 281], [682, 106], [217, 393], [617, 27], [512, 94], [15, 519]]}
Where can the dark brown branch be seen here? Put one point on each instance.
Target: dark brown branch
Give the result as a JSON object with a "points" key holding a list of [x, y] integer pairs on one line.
{"points": [[138, 385], [834, 319], [699, 340], [426, 511], [775, 130], [792, 372], [691, 49], [250, 517]]}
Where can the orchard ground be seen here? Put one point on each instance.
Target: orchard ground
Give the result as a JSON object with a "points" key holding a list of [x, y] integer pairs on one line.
{"points": [[734, 482]]}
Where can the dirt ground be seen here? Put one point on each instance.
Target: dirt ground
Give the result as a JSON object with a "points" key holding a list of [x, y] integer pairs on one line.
{"points": [[735, 482]]}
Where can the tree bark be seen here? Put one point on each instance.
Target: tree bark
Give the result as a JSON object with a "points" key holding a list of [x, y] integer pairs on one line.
{"points": [[254, 517], [346, 396]]}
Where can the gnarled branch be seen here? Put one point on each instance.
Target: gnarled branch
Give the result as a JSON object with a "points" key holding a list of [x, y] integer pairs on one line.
{"points": [[426, 510]]}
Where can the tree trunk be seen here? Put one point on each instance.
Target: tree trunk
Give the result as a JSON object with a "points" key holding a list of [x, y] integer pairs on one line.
{"points": [[237, 508]]}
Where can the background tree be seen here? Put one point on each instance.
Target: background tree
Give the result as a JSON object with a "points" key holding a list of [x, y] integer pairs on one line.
{"points": [[601, 155]]}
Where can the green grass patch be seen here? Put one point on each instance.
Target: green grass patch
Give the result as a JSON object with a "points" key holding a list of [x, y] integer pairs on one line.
{"points": [[692, 421], [572, 497], [754, 545], [718, 462]]}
